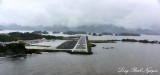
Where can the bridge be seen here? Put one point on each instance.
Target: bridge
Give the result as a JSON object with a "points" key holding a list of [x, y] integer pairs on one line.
{"points": [[81, 45]]}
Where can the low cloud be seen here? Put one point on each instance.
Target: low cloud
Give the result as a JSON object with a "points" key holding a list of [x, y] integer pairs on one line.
{"points": [[125, 13]]}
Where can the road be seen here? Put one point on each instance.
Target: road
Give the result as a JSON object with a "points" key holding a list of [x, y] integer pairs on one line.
{"points": [[81, 45]]}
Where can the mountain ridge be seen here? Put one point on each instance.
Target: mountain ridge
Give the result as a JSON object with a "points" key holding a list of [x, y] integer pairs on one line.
{"points": [[86, 28]]}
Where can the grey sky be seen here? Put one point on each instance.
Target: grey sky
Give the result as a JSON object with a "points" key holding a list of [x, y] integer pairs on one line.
{"points": [[126, 13]]}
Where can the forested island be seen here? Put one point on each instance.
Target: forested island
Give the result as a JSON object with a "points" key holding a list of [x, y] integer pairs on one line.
{"points": [[127, 34], [74, 32], [15, 36], [15, 49], [96, 34], [55, 32], [141, 41], [40, 32], [106, 33], [116, 34]]}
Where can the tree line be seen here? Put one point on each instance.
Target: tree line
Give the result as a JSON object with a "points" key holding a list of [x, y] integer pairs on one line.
{"points": [[14, 36]]}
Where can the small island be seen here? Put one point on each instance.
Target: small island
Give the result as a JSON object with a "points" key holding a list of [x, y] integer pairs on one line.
{"points": [[127, 34], [106, 33], [74, 32], [141, 41], [55, 32], [40, 32]]}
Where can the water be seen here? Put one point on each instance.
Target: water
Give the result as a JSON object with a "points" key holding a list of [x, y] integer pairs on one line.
{"points": [[102, 62], [23, 31], [105, 37], [8, 31], [109, 37]]}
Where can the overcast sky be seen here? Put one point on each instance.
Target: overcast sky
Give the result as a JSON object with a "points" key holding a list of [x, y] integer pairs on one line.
{"points": [[126, 13]]}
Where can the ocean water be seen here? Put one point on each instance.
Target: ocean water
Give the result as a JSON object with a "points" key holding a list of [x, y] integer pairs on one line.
{"points": [[126, 55]]}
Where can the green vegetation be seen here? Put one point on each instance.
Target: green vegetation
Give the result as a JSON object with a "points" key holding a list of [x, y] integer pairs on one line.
{"points": [[91, 44], [37, 32], [7, 38], [141, 41], [45, 32], [15, 36], [74, 32], [49, 37], [13, 49], [127, 34], [40, 32], [94, 34], [24, 36], [16, 49], [106, 33], [89, 33], [99, 34], [55, 32], [129, 40]]}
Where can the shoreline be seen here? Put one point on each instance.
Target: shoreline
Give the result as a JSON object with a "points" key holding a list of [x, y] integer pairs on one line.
{"points": [[89, 42]]}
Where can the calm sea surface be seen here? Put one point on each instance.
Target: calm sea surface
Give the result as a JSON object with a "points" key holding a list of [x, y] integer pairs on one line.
{"points": [[102, 62], [142, 37]]}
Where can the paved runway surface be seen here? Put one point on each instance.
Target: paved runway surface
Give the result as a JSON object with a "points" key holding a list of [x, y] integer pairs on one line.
{"points": [[81, 45]]}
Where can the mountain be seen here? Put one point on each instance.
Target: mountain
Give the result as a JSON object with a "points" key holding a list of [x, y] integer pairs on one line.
{"points": [[86, 28], [43, 28], [147, 31], [101, 28]]}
